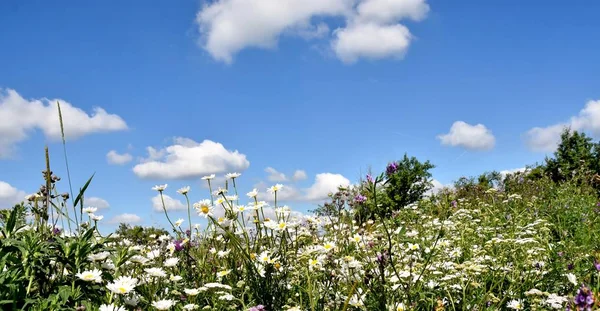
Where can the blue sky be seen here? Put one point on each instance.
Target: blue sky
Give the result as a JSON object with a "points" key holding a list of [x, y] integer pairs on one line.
{"points": [[331, 86]]}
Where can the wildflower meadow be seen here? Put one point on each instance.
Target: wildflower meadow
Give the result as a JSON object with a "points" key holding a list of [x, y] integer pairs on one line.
{"points": [[524, 241]]}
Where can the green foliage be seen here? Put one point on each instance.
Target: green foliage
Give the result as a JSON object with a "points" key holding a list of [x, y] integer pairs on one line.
{"points": [[407, 181], [576, 155]]}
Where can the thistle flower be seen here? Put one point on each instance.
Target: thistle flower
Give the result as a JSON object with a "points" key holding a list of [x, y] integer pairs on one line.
{"points": [[391, 169], [360, 198], [178, 245]]}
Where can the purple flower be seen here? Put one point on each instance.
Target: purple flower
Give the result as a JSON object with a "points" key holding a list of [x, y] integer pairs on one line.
{"points": [[370, 178], [584, 299], [178, 245], [570, 266], [382, 258], [360, 198], [597, 265], [391, 169], [453, 203], [257, 308], [56, 231]]}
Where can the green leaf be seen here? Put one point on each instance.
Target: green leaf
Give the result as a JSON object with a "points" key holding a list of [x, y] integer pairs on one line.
{"points": [[80, 195]]}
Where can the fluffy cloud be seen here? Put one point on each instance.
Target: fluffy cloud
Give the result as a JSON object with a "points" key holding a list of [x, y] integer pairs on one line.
{"points": [[125, 218], [96, 202], [299, 175], [324, 184], [472, 137], [170, 204], [546, 139], [277, 176], [274, 175], [389, 11], [189, 159], [371, 41], [20, 116], [372, 27], [10, 195], [437, 187], [114, 157]]}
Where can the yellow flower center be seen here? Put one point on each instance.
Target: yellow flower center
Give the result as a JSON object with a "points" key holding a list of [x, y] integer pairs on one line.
{"points": [[204, 209]]}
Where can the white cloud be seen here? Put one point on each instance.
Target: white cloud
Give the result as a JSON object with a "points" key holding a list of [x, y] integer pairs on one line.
{"points": [[20, 116], [96, 202], [274, 175], [299, 175], [114, 157], [473, 137], [437, 187], [277, 176], [325, 183], [371, 41], [170, 204], [546, 139], [9, 195], [125, 218], [189, 159], [389, 11], [229, 26]]}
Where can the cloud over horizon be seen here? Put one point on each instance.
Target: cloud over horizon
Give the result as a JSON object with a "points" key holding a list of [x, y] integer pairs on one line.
{"points": [[546, 139], [187, 159]]}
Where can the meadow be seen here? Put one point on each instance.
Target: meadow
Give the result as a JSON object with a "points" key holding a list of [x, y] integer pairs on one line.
{"points": [[517, 242]]}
